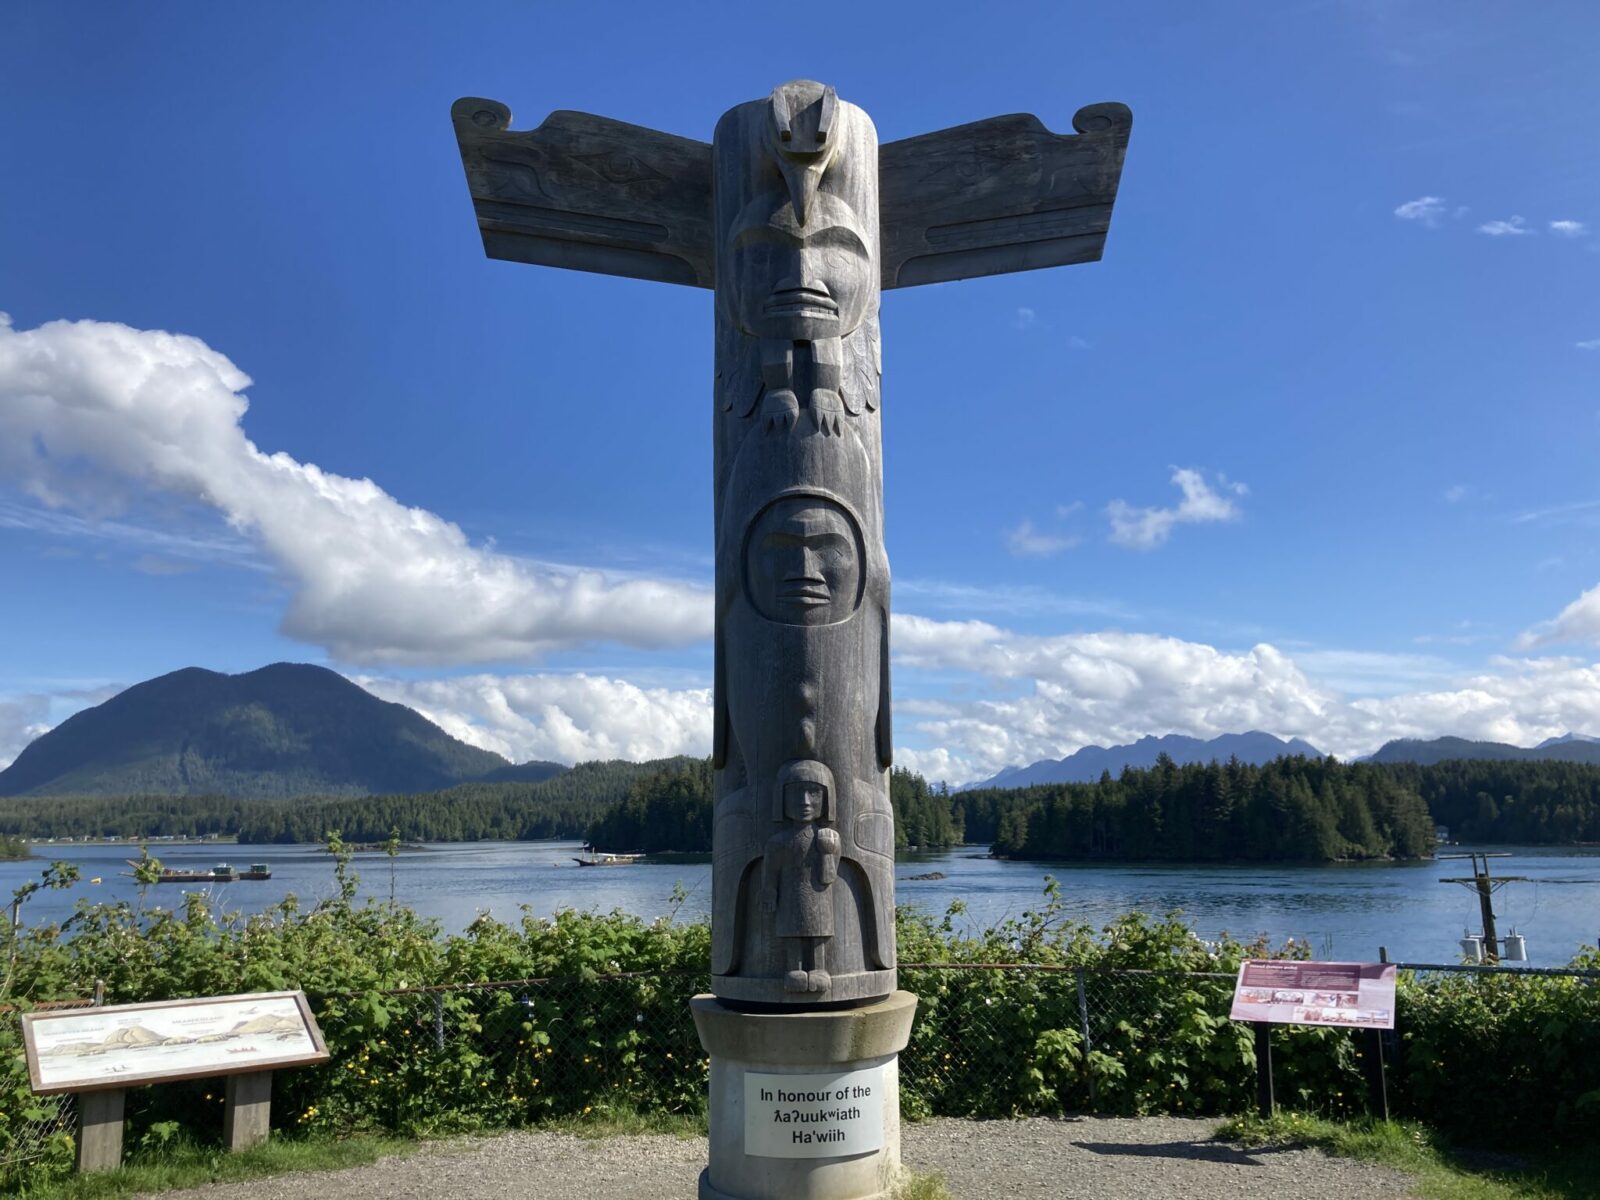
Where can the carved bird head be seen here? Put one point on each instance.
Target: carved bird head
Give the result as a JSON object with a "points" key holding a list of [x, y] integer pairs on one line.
{"points": [[805, 137]]}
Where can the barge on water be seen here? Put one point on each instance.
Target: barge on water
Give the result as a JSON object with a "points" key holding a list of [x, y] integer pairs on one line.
{"points": [[221, 873]]}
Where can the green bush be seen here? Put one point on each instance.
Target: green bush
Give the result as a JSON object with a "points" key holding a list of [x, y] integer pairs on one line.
{"points": [[596, 1024]]}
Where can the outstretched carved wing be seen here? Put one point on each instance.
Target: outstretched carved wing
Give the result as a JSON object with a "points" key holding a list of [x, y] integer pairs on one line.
{"points": [[588, 193], [999, 195]]}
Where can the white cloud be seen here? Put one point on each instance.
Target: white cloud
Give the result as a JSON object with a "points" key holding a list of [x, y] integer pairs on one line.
{"points": [[1050, 696], [1025, 318], [1570, 229], [1027, 542], [1426, 209], [1456, 493], [1591, 344], [22, 718], [1147, 528], [94, 415], [1515, 227], [1577, 622], [559, 718]]}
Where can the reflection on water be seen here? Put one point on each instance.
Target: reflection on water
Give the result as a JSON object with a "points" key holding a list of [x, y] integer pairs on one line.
{"points": [[1344, 911]]}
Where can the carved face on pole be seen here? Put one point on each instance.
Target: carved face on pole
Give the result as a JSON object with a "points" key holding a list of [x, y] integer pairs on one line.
{"points": [[799, 261], [803, 562], [800, 280]]}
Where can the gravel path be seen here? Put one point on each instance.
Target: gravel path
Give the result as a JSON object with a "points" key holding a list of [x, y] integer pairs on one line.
{"points": [[1157, 1158]]}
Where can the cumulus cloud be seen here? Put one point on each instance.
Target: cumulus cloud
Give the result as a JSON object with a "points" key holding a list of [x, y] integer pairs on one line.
{"points": [[1515, 227], [1147, 528], [1425, 209], [1025, 541], [1049, 696], [1570, 229], [559, 718], [1577, 622], [93, 414]]}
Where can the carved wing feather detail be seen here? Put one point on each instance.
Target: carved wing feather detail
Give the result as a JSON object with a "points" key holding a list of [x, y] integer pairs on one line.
{"points": [[999, 195], [588, 193]]}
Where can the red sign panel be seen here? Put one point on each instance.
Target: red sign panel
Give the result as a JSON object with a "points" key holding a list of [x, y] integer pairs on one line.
{"points": [[1285, 992]]}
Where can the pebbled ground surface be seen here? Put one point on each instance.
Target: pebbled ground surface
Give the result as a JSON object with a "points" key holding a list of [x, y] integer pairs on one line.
{"points": [[1086, 1158]]}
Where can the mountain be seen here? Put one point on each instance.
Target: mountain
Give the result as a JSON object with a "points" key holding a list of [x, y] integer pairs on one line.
{"points": [[286, 730], [1564, 738], [1572, 747], [1087, 764]]}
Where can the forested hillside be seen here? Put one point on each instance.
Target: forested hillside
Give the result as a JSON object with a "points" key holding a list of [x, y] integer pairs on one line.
{"points": [[1483, 800], [1292, 809], [289, 729], [562, 806]]}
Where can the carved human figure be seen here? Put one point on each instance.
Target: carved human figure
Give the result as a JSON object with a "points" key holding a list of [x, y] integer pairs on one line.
{"points": [[797, 872]]}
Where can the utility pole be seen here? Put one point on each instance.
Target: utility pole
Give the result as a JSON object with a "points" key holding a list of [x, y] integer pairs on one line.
{"points": [[1485, 886]]}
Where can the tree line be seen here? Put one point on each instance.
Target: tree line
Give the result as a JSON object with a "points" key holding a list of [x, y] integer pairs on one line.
{"points": [[671, 810], [1540, 801], [1293, 809], [562, 806]]}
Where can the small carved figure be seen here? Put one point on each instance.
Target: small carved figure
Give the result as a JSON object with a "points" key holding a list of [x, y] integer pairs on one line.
{"points": [[798, 873]]}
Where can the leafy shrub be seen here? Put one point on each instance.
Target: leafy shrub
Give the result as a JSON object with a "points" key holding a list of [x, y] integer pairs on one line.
{"points": [[427, 1036]]}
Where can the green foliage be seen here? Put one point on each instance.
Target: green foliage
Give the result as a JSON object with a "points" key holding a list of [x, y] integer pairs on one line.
{"points": [[1537, 802], [668, 810], [562, 805], [1293, 808], [12, 847], [428, 1037], [923, 818]]}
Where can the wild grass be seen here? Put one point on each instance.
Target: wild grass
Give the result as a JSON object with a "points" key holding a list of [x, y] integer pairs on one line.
{"points": [[185, 1164], [1441, 1172]]}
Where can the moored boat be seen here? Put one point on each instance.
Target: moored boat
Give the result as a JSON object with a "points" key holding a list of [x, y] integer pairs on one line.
{"points": [[596, 858], [221, 873]]}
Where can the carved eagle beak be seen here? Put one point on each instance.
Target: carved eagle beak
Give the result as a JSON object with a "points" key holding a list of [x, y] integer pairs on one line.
{"points": [[805, 149]]}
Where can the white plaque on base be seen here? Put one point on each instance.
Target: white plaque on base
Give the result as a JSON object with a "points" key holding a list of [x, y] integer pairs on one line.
{"points": [[830, 1115]]}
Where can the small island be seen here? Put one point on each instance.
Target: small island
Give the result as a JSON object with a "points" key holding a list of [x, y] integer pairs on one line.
{"points": [[13, 848]]}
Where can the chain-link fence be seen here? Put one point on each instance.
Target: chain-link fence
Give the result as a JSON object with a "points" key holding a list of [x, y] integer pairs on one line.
{"points": [[990, 1040], [30, 1126]]}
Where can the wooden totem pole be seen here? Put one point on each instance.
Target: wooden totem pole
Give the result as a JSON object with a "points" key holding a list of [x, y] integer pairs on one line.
{"points": [[798, 220]]}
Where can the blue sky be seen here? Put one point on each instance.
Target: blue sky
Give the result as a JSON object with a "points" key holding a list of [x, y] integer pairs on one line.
{"points": [[1312, 450]]}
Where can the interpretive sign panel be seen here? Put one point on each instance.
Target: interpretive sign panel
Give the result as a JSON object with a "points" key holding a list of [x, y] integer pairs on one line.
{"points": [[127, 1044], [1277, 992], [813, 1116]]}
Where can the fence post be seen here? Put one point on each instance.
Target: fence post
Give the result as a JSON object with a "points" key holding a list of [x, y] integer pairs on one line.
{"points": [[1371, 1045], [1265, 1102], [438, 1020], [1088, 1043]]}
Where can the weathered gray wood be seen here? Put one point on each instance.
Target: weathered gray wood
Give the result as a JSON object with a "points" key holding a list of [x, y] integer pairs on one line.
{"points": [[100, 1130], [588, 193], [803, 864], [1000, 195], [798, 221], [247, 1110]]}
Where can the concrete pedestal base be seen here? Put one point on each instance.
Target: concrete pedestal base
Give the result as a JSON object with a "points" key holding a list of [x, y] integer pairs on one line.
{"points": [[811, 1046]]}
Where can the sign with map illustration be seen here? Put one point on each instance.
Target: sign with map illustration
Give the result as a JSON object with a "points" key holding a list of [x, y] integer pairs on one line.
{"points": [[88, 1049], [1289, 992]]}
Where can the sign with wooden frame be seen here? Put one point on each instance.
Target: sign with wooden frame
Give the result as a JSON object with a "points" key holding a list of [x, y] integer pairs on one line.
{"points": [[125, 1045]]}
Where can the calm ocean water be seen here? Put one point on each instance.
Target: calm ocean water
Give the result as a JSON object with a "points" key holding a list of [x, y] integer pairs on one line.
{"points": [[1344, 911]]}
